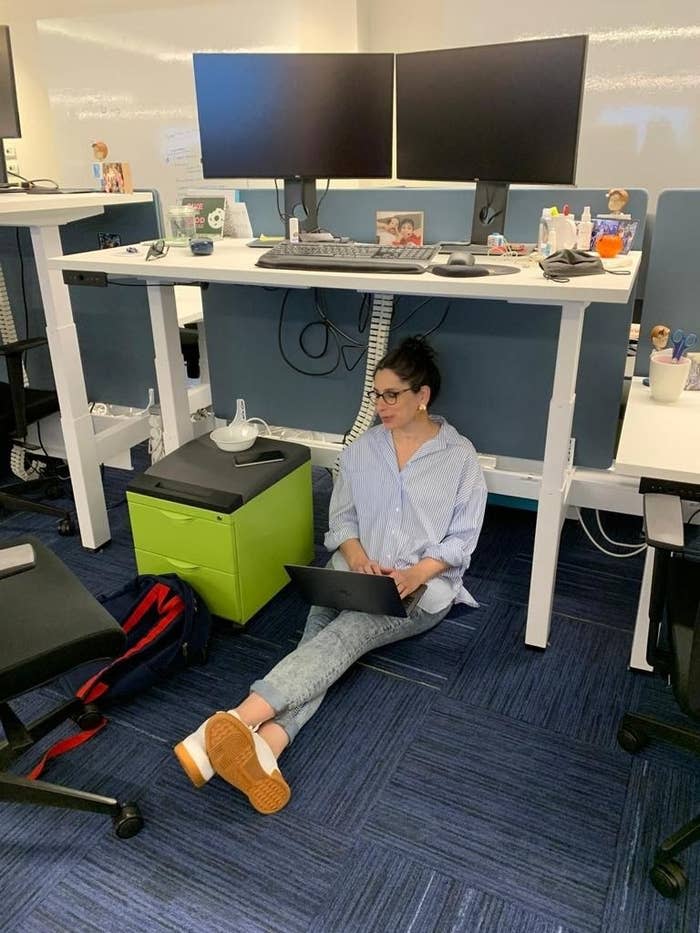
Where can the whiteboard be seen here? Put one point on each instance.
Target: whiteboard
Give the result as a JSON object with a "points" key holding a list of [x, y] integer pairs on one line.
{"points": [[126, 78]]}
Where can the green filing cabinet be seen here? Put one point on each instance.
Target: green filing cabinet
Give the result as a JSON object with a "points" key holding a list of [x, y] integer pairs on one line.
{"points": [[227, 530]]}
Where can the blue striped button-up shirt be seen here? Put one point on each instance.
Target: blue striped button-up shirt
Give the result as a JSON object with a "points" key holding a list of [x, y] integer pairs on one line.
{"points": [[433, 507]]}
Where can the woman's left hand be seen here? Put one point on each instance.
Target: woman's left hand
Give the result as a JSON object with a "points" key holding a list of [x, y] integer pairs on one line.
{"points": [[406, 580]]}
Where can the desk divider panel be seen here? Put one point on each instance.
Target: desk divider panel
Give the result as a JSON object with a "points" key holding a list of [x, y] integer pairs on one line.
{"points": [[671, 295], [497, 359], [113, 324]]}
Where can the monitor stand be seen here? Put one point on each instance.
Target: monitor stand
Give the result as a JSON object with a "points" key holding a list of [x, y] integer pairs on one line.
{"points": [[490, 202], [300, 191]]}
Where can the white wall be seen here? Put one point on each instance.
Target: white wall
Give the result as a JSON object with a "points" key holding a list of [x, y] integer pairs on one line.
{"points": [[641, 116], [124, 76]]}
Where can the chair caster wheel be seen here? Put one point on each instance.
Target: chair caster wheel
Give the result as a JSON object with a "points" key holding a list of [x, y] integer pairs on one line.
{"points": [[89, 717], [668, 878], [632, 740], [66, 527], [128, 821]]}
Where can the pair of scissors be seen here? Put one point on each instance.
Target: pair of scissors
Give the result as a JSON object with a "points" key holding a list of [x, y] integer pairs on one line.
{"points": [[682, 342]]}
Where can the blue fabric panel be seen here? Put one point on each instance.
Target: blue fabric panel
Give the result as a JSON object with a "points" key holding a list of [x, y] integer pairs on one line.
{"points": [[497, 359], [113, 324], [17, 259], [671, 291], [448, 212]]}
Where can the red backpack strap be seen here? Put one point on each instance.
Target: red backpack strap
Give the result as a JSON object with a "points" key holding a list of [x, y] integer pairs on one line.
{"points": [[170, 609], [62, 746]]}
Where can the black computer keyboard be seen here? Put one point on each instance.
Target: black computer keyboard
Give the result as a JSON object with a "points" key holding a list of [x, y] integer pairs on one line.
{"points": [[349, 257]]}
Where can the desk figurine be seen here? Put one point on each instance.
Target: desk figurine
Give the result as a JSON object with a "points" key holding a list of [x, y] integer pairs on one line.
{"points": [[100, 151], [659, 336], [617, 200]]}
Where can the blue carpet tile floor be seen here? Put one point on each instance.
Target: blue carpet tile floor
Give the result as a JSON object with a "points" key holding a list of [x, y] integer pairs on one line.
{"points": [[453, 782]]}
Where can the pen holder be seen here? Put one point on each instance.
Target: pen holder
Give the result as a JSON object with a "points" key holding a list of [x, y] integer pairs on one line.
{"points": [[667, 377]]}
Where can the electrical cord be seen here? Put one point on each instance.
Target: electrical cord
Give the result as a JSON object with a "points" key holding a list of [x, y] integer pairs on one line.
{"points": [[32, 182], [283, 216], [439, 323], [318, 205], [364, 313], [297, 369], [611, 540], [593, 541]]}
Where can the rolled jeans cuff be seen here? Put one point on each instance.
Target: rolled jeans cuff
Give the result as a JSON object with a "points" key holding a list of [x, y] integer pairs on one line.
{"points": [[271, 695], [283, 715]]}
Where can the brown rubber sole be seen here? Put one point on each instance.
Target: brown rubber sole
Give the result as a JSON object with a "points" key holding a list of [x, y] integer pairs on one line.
{"points": [[188, 765], [231, 750]]}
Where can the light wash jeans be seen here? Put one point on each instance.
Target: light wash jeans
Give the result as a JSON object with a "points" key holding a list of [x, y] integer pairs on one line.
{"points": [[331, 643]]}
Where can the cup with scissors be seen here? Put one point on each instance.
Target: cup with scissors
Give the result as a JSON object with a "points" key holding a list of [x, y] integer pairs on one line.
{"points": [[681, 343]]}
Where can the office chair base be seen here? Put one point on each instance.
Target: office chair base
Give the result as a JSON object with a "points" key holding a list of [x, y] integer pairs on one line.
{"points": [[126, 817], [669, 878], [17, 503], [20, 737], [637, 729]]}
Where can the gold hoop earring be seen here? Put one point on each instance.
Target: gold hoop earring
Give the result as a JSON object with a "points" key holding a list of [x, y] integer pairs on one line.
{"points": [[422, 407]]}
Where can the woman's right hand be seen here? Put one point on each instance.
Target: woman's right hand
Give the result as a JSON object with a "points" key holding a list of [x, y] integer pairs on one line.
{"points": [[366, 566], [357, 559]]}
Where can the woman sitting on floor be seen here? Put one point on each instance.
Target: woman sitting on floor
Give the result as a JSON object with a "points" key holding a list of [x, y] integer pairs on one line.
{"points": [[409, 503]]}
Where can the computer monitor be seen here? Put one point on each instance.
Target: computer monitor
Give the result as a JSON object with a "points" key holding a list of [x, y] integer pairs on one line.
{"points": [[9, 113], [494, 114], [295, 116]]}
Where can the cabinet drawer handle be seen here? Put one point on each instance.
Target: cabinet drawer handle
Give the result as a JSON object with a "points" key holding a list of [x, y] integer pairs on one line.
{"points": [[173, 516], [181, 565]]}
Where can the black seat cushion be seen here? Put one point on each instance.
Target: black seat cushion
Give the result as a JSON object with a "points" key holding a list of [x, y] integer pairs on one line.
{"points": [[683, 608], [49, 624], [38, 404]]}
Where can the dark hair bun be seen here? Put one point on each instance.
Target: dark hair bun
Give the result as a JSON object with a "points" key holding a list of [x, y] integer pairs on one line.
{"points": [[414, 360], [417, 345]]}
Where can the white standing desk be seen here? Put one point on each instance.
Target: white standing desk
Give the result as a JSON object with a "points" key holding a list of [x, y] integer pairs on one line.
{"points": [[658, 441], [234, 263], [44, 214]]}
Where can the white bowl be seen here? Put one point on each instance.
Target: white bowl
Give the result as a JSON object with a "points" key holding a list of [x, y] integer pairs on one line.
{"points": [[224, 440]]}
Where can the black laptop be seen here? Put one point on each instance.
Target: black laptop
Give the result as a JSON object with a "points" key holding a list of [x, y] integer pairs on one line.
{"points": [[346, 589]]}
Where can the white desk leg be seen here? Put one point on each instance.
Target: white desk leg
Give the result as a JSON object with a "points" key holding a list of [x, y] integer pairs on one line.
{"points": [[638, 658], [552, 500], [76, 421], [170, 367]]}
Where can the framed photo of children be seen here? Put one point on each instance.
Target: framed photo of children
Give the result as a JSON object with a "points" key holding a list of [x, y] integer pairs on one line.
{"points": [[399, 228]]}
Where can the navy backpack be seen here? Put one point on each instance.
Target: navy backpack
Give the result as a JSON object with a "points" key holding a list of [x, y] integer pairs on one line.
{"points": [[167, 628]]}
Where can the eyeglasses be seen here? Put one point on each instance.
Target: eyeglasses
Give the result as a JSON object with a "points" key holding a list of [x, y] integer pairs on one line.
{"points": [[157, 250], [390, 396]]}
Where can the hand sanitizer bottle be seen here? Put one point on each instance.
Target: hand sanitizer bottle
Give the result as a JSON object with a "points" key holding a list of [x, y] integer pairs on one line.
{"points": [[585, 230], [543, 233]]}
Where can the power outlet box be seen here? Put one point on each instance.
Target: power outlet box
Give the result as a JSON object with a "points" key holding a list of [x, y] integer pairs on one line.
{"points": [[80, 277]]}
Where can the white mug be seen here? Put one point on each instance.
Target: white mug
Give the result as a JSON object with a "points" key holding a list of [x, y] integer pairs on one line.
{"points": [[667, 377]]}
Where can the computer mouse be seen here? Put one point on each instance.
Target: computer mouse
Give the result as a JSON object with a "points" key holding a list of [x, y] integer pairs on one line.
{"points": [[461, 259]]}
